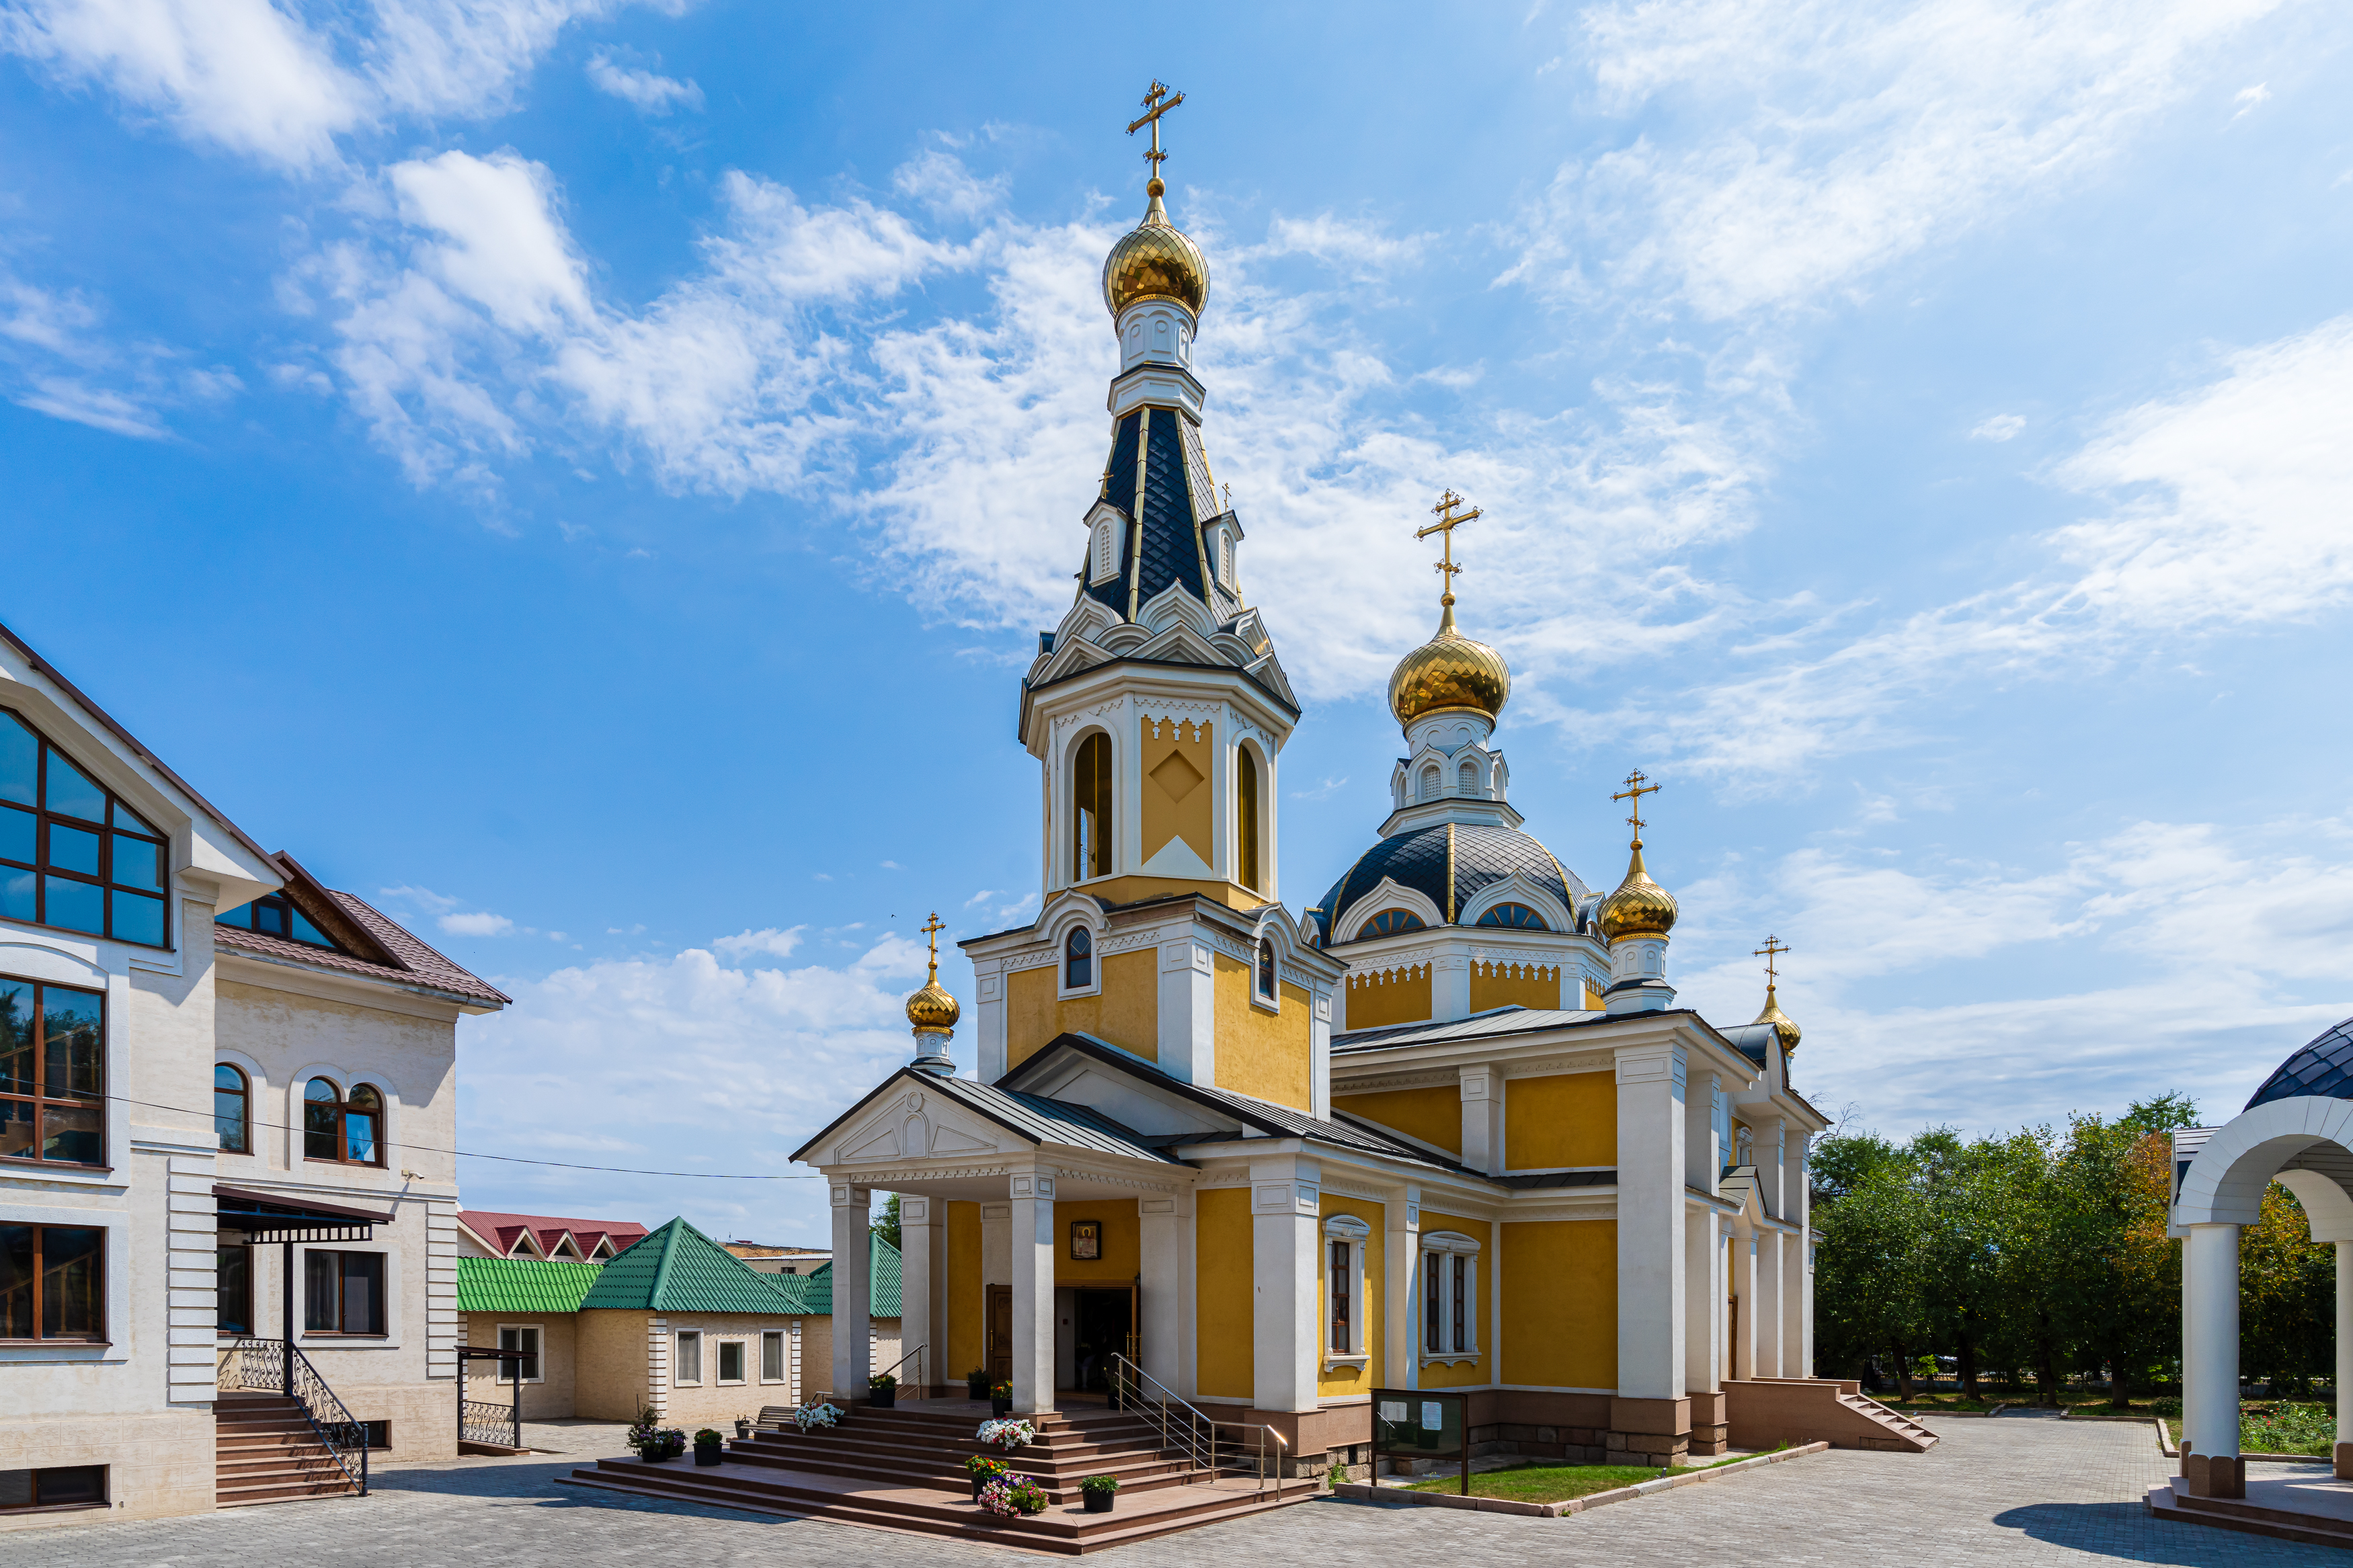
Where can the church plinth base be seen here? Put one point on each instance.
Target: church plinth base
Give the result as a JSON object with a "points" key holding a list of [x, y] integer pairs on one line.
{"points": [[1711, 1433], [1649, 1432]]}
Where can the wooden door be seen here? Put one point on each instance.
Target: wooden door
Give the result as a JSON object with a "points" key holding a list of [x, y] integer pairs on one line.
{"points": [[1001, 1334]]}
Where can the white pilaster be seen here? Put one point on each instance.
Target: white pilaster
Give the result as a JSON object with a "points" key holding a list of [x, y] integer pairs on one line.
{"points": [[1286, 1202], [1450, 988], [1703, 1301], [853, 1323], [1483, 1119], [1167, 1292], [988, 1026], [1401, 1245], [1188, 1011], [2210, 1350], [921, 1322], [2344, 1339], [1702, 1161], [1651, 1222], [1772, 1251], [1319, 1051], [1744, 1290], [1032, 1234]]}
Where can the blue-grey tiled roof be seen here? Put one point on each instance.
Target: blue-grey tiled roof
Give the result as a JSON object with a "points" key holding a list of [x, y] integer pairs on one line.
{"points": [[1169, 541], [2323, 1068], [1416, 858]]}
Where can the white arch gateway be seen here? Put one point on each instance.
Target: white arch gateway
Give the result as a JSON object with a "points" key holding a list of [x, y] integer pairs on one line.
{"points": [[2297, 1129]]}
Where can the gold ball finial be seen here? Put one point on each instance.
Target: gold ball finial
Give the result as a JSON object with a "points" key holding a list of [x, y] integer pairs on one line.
{"points": [[1785, 1028], [1155, 259], [1449, 670], [1639, 907], [931, 1010]]}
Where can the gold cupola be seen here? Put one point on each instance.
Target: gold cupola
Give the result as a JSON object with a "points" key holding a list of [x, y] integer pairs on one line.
{"points": [[1449, 670], [1785, 1028], [1639, 907], [1155, 259], [932, 1012]]}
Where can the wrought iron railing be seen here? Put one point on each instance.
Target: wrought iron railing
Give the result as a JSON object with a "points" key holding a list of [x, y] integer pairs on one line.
{"points": [[1184, 1427], [480, 1422], [273, 1366]]}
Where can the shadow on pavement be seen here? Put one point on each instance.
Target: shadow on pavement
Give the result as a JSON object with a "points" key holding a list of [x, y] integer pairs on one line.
{"points": [[2101, 1530]]}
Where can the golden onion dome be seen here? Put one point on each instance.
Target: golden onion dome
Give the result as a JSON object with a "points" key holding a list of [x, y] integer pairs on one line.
{"points": [[1639, 907], [931, 1010], [1155, 259], [1784, 1027], [1449, 670]]}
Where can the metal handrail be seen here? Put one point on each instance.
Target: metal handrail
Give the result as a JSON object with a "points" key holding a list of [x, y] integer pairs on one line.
{"points": [[1194, 1441], [276, 1366], [915, 1355], [479, 1421]]}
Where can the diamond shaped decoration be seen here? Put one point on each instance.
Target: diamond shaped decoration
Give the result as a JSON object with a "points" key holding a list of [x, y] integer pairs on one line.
{"points": [[1176, 776]]}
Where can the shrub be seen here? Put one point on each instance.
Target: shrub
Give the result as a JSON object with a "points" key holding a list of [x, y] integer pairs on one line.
{"points": [[1095, 1485], [1336, 1475], [708, 1439], [880, 1380], [981, 1465]]}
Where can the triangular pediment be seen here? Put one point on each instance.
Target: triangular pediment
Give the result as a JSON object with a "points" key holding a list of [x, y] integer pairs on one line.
{"points": [[910, 1120], [1132, 1102], [1183, 645]]}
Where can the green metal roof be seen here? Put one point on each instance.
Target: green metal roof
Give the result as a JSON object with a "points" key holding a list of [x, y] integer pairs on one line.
{"points": [[677, 1269], [523, 1284], [881, 1284]]}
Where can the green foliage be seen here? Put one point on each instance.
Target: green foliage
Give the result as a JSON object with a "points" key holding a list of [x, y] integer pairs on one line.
{"points": [[2287, 1429], [884, 1222], [1336, 1475], [1095, 1485]]}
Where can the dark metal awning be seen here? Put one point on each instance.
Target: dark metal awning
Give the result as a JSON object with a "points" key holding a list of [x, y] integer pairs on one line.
{"points": [[274, 1216]]}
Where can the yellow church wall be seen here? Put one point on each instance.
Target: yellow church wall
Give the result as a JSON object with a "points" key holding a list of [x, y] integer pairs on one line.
{"points": [[1560, 1303], [1270, 1055], [1135, 890], [1127, 1014], [968, 1302], [1563, 1118], [1593, 997], [1434, 1114], [1225, 1364], [1511, 985], [1375, 1001], [1342, 1382], [1179, 763], [1464, 1373], [1122, 1245]]}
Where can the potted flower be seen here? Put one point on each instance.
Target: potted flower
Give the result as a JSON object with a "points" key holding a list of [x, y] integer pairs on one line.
{"points": [[1005, 1435], [1012, 1496], [975, 1384], [983, 1470], [1097, 1492], [881, 1391], [742, 1425], [653, 1443], [809, 1416], [1000, 1399], [708, 1446]]}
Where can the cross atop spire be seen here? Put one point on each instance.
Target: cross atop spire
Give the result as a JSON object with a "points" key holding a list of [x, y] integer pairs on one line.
{"points": [[1158, 99], [932, 931], [1448, 521], [1637, 785], [1774, 948]]}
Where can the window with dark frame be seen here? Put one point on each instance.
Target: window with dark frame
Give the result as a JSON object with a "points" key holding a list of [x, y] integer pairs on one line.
{"points": [[1389, 923], [346, 1130], [1266, 976], [1462, 1279], [233, 1290], [1077, 959], [524, 1337], [1519, 917], [72, 855], [53, 1282], [1433, 1319], [730, 1360], [772, 1356], [52, 1074], [1246, 813], [275, 914], [1342, 1279], [232, 1100], [59, 1485], [342, 1293], [1091, 809]]}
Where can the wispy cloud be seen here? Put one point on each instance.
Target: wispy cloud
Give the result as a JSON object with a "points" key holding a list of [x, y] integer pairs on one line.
{"points": [[479, 922], [644, 91]]}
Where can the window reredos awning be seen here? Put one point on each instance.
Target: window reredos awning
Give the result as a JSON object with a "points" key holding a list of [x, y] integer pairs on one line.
{"points": [[274, 1216]]}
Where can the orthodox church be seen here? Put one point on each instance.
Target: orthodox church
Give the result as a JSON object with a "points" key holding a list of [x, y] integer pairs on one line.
{"points": [[1447, 1128]]}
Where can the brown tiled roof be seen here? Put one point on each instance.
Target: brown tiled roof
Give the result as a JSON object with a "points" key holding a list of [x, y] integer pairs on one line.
{"points": [[420, 966]]}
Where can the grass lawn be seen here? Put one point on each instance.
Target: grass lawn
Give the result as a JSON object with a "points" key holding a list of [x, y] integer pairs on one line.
{"points": [[1558, 1483]]}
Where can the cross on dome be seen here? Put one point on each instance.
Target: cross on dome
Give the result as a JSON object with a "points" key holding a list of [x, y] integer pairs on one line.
{"points": [[1637, 785], [1444, 527], [1158, 99]]}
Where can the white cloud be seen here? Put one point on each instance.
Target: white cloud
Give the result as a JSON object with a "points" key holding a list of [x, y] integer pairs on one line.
{"points": [[1998, 427], [56, 360], [477, 924], [2249, 98], [1824, 146], [644, 91], [1355, 248], [426, 898], [769, 941]]}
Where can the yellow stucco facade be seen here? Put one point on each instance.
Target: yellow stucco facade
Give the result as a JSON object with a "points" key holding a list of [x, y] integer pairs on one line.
{"points": [[1267, 1054], [1561, 1119], [1515, 985], [1396, 996], [1123, 1246], [1223, 1357], [1433, 1115], [1346, 1382], [1469, 1371], [1180, 763], [967, 1303], [1126, 1013], [1560, 1303]]}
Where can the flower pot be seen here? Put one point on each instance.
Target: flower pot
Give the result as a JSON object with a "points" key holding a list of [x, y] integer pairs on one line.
{"points": [[656, 1456], [979, 1482], [882, 1398], [742, 1428], [707, 1453], [1099, 1502], [1001, 1407]]}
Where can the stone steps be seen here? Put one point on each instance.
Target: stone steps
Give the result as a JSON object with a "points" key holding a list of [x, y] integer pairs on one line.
{"points": [[264, 1451], [2168, 1501]]}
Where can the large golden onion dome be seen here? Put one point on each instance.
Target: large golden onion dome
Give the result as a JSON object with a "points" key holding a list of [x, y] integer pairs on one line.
{"points": [[1784, 1027], [1155, 259], [1639, 907], [1449, 670], [931, 1010]]}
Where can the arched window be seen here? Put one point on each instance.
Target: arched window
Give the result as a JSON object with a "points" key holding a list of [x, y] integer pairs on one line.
{"points": [[1389, 923], [1430, 782], [1516, 915], [1106, 551], [231, 1102], [1091, 809], [1246, 813], [1226, 558], [348, 1131], [1077, 959], [1266, 975], [1469, 784]]}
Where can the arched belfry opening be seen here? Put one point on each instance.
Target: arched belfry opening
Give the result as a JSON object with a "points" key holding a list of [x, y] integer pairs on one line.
{"points": [[1091, 790]]}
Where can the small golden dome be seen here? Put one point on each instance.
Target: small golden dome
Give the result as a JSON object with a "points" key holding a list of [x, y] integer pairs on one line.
{"points": [[931, 1010], [1156, 261], [1449, 670], [1784, 1027], [1639, 907]]}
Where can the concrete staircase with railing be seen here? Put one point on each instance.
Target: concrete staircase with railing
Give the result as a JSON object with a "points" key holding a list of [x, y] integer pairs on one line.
{"points": [[1764, 1411], [267, 1451]]}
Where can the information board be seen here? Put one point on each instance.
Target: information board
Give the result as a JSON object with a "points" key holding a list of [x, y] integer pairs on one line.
{"points": [[1421, 1423]]}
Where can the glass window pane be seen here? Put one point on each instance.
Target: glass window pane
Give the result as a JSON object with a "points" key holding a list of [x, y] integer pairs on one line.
{"points": [[15, 1038], [76, 906], [71, 1256], [138, 863], [128, 821], [16, 894], [233, 1269], [19, 762], [362, 1292], [73, 1038], [16, 834], [70, 1132], [138, 918], [73, 1484], [730, 1360], [322, 1133], [305, 932], [240, 917], [365, 1097], [16, 1489], [17, 1129], [71, 849], [359, 1138], [270, 915], [228, 1109], [772, 1357], [319, 1276], [17, 1276], [71, 792]]}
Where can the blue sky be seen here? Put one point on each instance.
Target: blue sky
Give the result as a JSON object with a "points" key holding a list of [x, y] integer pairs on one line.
{"points": [[587, 477]]}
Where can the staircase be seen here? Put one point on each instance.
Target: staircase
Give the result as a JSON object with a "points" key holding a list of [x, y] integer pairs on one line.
{"points": [[267, 1451], [2287, 1508], [1764, 1411], [904, 1469]]}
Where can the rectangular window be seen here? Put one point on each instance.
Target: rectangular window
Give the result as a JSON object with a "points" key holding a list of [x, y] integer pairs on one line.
{"points": [[1433, 1317], [1462, 1301], [72, 855], [52, 1073], [233, 1290], [52, 1282], [342, 1293], [70, 1486], [772, 1357], [688, 1366], [1342, 1279], [730, 1360], [524, 1337]]}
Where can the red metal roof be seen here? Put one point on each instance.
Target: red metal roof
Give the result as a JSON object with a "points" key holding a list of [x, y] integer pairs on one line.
{"points": [[502, 1231], [422, 966]]}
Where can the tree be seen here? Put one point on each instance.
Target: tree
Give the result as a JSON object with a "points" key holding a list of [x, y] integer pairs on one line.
{"points": [[2287, 1297], [884, 1222], [1867, 1273], [2122, 1275]]}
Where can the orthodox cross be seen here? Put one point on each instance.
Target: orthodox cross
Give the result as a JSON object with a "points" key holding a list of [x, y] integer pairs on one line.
{"points": [[1637, 785], [1157, 102], [1446, 524], [932, 931], [1774, 948]]}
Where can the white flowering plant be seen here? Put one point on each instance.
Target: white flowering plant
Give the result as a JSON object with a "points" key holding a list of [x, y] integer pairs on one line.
{"points": [[1006, 1434], [808, 1416]]}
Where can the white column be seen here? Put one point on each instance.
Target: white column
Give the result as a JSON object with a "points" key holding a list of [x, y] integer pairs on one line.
{"points": [[1743, 1287], [1450, 988], [1032, 1237], [2344, 1345], [1651, 1222], [1797, 1360], [1167, 1291], [1287, 1202], [1400, 1245], [920, 1320], [1188, 1011], [1772, 1252], [989, 1024], [1703, 1301], [853, 1325], [1483, 1119], [1319, 1051], [2210, 1350]]}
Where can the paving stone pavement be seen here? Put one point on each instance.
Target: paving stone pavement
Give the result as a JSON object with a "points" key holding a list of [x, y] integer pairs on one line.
{"points": [[2022, 1492]]}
